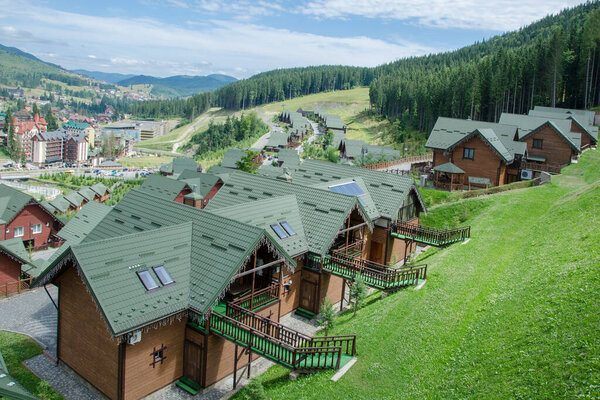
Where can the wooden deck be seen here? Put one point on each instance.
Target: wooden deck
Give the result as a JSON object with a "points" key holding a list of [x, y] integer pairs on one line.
{"points": [[430, 236]]}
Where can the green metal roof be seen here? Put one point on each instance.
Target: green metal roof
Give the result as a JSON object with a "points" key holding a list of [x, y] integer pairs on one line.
{"points": [[76, 125], [263, 213], [164, 187], [533, 157], [146, 229], [585, 123], [83, 222], [60, 204], [289, 157], [100, 189], [585, 115], [449, 132], [15, 249], [87, 193], [449, 168], [528, 125], [388, 191], [10, 389], [231, 157], [178, 165], [200, 183], [323, 212], [270, 171], [74, 198], [278, 139], [367, 200], [383, 152], [12, 202]]}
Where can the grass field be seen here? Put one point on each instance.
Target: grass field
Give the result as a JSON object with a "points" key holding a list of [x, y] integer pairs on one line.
{"points": [[514, 313], [17, 348], [144, 161]]}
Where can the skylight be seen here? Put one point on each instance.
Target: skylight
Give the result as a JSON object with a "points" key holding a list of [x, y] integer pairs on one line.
{"points": [[147, 279], [163, 275], [280, 232], [288, 228]]}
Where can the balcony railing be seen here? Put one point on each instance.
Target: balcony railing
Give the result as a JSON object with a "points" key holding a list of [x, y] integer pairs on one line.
{"points": [[551, 168], [260, 298], [428, 235]]}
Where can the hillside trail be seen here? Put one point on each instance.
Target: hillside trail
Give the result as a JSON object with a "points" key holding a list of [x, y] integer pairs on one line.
{"points": [[186, 134]]}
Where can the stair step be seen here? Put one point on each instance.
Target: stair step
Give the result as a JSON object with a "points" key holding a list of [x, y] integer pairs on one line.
{"points": [[190, 383], [305, 313], [187, 388]]}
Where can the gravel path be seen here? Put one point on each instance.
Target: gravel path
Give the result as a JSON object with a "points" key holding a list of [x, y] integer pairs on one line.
{"points": [[33, 314], [63, 382]]}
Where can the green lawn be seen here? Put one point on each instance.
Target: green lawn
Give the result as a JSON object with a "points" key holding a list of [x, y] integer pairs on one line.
{"points": [[17, 348], [514, 313]]}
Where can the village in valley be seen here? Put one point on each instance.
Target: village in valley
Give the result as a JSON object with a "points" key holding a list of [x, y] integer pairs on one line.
{"points": [[341, 242]]}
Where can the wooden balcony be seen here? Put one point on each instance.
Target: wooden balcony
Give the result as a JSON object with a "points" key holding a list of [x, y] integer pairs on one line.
{"points": [[550, 168], [259, 299], [431, 236]]}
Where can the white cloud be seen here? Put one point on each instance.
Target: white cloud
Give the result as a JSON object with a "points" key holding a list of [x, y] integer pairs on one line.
{"points": [[91, 56], [499, 15], [152, 47]]}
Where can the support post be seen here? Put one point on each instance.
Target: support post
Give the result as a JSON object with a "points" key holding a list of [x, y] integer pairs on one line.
{"points": [[235, 359], [253, 280], [348, 231], [249, 360], [343, 293], [280, 294]]}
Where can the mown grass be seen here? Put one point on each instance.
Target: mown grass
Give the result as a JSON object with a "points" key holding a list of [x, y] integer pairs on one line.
{"points": [[17, 348], [511, 314]]}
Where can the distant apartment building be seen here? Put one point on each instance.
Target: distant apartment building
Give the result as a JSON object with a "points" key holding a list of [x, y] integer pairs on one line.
{"points": [[59, 146], [74, 128], [140, 130]]}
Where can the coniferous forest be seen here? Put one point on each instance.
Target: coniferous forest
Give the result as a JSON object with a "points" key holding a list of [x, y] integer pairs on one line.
{"points": [[552, 62]]}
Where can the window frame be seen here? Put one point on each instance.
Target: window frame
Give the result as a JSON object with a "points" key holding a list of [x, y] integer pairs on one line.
{"points": [[162, 266], [139, 274], [16, 229], [468, 151], [540, 141], [33, 230], [276, 226], [289, 230]]}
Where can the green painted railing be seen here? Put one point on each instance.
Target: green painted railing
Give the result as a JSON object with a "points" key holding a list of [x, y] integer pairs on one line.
{"points": [[432, 236]]}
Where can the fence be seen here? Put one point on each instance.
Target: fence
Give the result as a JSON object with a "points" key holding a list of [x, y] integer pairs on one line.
{"points": [[393, 163], [19, 286]]}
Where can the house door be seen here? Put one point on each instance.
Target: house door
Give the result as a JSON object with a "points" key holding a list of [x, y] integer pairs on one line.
{"points": [[193, 357], [376, 252], [308, 291]]}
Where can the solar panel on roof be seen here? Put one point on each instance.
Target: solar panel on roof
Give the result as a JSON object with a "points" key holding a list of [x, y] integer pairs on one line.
{"points": [[350, 188]]}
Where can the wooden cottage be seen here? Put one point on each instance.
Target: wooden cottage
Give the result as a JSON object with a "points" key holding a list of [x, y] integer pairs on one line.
{"points": [[474, 153]]}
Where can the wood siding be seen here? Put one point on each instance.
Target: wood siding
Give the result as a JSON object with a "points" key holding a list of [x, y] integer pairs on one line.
{"points": [[554, 147], [485, 163], [397, 247], [289, 300], [30, 215], [141, 378], [440, 158], [179, 197], [84, 342], [10, 271], [586, 139]]}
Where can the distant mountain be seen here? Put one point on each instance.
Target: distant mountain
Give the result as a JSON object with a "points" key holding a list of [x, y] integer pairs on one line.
{"points": [[180, 85], [109, 77], [18, 68]]}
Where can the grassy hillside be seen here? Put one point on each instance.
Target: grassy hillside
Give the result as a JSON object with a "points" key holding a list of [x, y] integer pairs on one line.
{"points": [[511, 314]]}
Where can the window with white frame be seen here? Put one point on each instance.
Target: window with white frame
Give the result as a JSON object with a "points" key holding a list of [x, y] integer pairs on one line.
{"points": [[37, 228], [19, 231]]}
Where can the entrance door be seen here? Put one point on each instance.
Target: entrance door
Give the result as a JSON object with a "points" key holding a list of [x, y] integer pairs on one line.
{"points": [[308, 291], [376, 252], [193, 357]]}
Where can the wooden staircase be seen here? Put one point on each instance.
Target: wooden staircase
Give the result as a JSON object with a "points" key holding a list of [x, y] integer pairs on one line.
{"points": [[430, 236], [280, 344], [376, 275]]}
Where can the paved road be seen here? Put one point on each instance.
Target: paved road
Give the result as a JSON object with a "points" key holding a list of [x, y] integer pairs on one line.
{"points": [[32, 313]]}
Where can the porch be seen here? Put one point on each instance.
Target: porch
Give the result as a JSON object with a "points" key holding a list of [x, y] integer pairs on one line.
{"points": [[448, 177]]}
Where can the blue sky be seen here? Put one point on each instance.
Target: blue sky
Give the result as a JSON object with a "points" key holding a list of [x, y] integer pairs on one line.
{"points": [[243, 37]]}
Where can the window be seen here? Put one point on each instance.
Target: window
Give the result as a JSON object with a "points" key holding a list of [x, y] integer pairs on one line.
{"points": [[37, 228], [19, 231], [280, 232], [147, 279], [163, 275], [158, 355], [468, 153], [537, 143], [288, 228]]}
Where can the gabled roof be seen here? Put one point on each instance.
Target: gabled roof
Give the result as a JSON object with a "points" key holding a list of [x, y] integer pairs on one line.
{"points": [[585, 115], [323, 212], [449, 132], [74, 198], [289, 157], [580, 120], [528, 125], [178, 165], [100, 189], [60, 204], [15, 249], [489, 136], [163, 186], [388, 191], [12, 202], [278, 139], [143, 231], [87, 193], [449, 168], [76, 125], [263, 213], [365, 199], [84, 222], [9, 387], [231, 157], [200, 183]]}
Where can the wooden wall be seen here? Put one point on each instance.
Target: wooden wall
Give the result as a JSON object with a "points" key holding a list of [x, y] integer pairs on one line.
{"points": [[439, 158], [10, 271], [141, 378], [555, 148], [179, 197], [585, 137], [485, 164], [84, 342], [397, 247], [30, 215], [289, 300]]}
